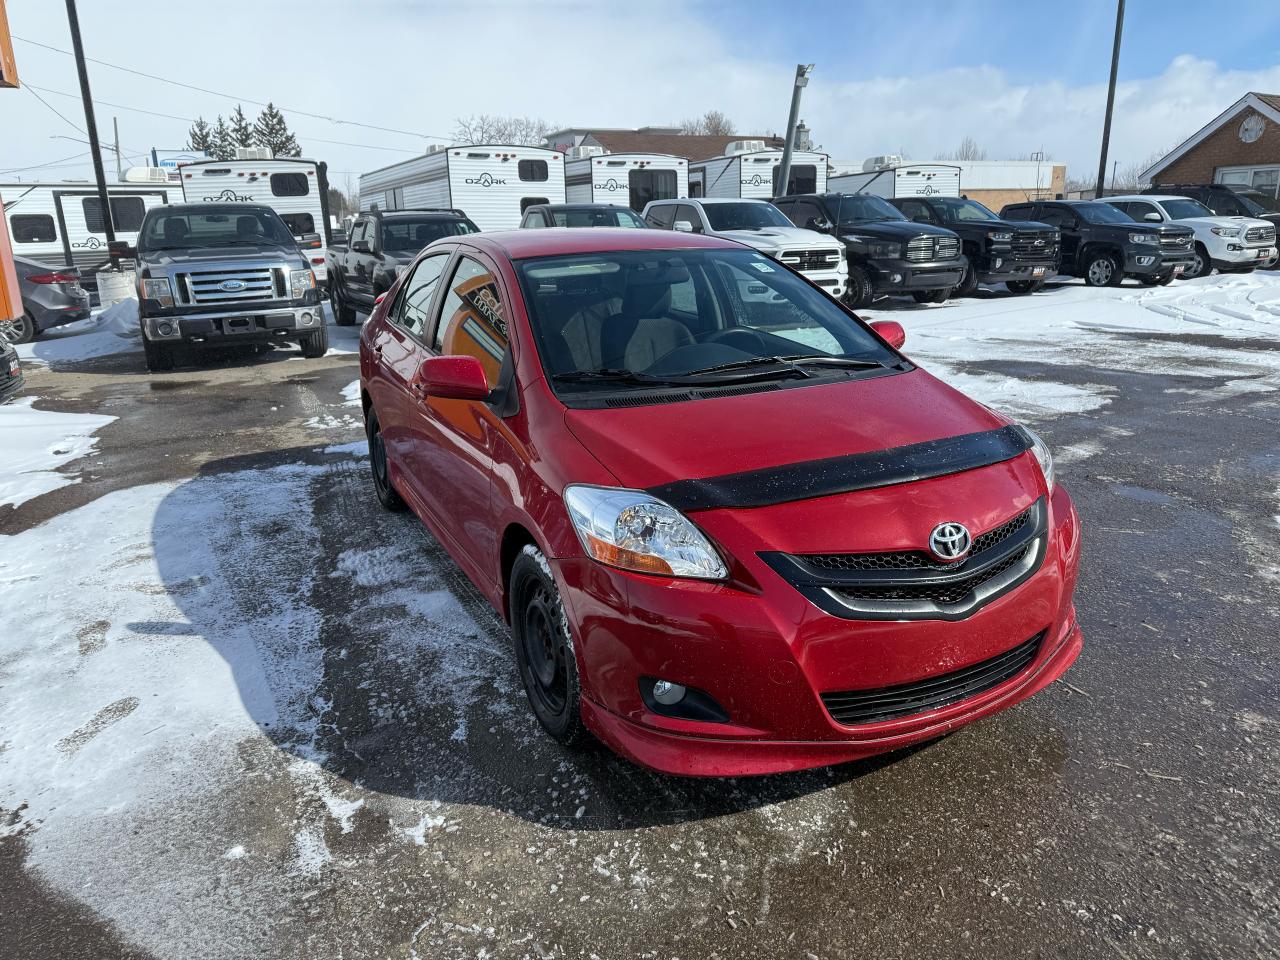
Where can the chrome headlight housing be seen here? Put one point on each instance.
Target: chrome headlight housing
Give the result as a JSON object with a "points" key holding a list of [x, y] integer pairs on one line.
{"points": [[1225, 231], [1043, 455], [1002, 237], [158, 289], [1143, 238], [300, 281], [634, 531]]}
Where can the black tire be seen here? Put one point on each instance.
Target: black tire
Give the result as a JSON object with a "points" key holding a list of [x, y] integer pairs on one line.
{"points": [[1024, 286], [344, 315], [1201, 265], [315, 344], [544, 649], [18, 330], [968, 284], [931, 296], [160, 356], [1103, 269], [1160, 280], [858, 292], [387, 495]]}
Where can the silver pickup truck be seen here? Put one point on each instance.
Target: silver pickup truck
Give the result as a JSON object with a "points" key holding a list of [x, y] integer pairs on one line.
{"points": [[223, 274]]}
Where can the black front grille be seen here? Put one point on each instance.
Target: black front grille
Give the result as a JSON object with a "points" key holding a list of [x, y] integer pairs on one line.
{"points": [[914, 559], [1035, 246], [852, 707], [953, 591]]}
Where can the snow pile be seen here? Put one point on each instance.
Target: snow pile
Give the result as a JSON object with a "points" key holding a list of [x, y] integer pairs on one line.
{"points": [[110, 331], [351, 394], [36, 443]]}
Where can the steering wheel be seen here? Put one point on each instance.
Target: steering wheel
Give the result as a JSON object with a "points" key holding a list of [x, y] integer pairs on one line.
{"points": [[740, 338]]}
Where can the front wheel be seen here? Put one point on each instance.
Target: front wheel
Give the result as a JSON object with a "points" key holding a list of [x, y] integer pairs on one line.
{"points": [[931, 296], [1201, 263], [858, 292], [315, 344], [544, 648], [159, 356], [18, 330], [1024, 286], [1103, 270], [1160, 280], [387, 495]]}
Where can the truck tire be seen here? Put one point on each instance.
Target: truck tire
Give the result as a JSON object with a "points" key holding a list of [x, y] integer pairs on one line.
{"points": [[1201, 263], [1024, 286], [160, 356], [931, 296], [315, 344], [1102, 269], [343, 314], [1160, 280], [858, 292], [968, 284]]}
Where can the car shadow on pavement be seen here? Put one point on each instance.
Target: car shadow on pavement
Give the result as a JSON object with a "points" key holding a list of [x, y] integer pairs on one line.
{"points": [[355, 643]]}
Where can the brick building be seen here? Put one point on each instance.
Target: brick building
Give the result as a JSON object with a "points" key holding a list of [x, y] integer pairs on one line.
{"points": [[1240, 146]]}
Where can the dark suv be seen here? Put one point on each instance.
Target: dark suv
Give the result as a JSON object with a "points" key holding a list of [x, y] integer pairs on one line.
{"points": [[1225, 201], [380, 244], [1019, 254], [1104, 245], [887, 253]]}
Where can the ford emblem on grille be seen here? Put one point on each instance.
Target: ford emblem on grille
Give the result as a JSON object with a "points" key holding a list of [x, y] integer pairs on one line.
{"points": [[950, 542], [230, 286]]}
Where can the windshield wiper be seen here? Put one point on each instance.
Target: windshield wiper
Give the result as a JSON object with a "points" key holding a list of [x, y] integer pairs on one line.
{"points": [[793, 363], [693, 378], [610, 375]]}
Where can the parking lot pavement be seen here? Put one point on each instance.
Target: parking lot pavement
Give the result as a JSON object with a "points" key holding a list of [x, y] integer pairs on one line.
{"points": [[244, 712]]}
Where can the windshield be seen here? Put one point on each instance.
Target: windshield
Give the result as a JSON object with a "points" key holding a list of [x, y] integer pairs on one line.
{"points": [[854, 208], [409, 236], [596, 218], [627, 319], [961, 209], [1258, 203], [1094, 212], [1181, 209], [744, 216], [237, 226]]}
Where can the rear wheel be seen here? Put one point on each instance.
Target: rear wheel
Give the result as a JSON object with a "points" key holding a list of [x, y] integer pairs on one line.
{"points": [[931, 296], [1103, 270], [1201, 264], [858, 292], [160, 356], [18, 330], [344, 315], [1024, 286], [387, 495], [544, 648], [315, 344]]}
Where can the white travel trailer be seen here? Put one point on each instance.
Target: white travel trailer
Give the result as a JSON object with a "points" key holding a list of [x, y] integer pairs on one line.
{"points": [[295, 188], [61, 223], [748, 170], [627, 179], [493, 185], [899, 179]]}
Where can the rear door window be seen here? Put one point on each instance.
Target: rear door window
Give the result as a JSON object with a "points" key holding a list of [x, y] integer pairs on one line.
{"points": [[414, 309], [32, 228]]}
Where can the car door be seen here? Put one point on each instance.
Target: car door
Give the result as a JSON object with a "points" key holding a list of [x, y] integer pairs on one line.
{"points": [[688, 213], [454, 438], [399, 347], [356, 279], [1138, 209]]}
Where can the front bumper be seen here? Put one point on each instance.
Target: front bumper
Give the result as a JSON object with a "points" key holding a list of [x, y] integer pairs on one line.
{"points": [[246, 326], [995, 268], [766, 654], [1154, 262], [907, 276], [1235, 256]]}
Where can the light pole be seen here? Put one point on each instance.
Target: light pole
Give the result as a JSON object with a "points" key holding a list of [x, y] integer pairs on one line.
{"points": [[91, 126], [784, 168], [1111, 99]]}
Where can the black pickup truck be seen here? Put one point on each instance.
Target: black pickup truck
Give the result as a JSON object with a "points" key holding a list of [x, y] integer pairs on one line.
{"points": [[222, 274], [379, 245], [1020, 254], [1104, 245], [887, 253]]}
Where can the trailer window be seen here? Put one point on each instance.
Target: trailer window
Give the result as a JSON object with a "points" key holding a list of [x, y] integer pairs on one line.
{"points": [[289, 185], [299, 223], [32, 228], [533, 170], [649, 185], [126, 214], [803, 179]]}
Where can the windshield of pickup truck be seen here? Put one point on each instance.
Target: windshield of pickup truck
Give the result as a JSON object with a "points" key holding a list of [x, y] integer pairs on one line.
{"points": [[649, 319], [596, 218], [1094, 212], [410, 236], [744, 216], [960, 209], [229, 227], [854, 208]]}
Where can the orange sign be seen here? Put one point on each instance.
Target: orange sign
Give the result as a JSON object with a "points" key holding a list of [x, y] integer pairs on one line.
{"points": [[8, 63], [10, 296]]}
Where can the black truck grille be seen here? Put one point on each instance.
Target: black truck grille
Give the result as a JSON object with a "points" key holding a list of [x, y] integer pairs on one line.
{"points": [[852, 707], [1260, 235], [913, 584], [1035, 246], [924, 249]]}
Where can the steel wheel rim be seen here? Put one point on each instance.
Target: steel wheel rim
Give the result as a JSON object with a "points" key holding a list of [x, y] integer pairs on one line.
{"points": [[544, 653], [1100, 271], [13, 330]]}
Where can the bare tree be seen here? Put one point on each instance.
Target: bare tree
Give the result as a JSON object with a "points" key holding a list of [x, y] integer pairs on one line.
{"points": [[713, 123], [968, 150], [526, 131]]}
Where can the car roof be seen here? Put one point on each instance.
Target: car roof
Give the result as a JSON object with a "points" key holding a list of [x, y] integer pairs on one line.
{"points": [[168, 208], [707, 200], [416, 214], [1150, 196], [565, 207], [555, 241]]}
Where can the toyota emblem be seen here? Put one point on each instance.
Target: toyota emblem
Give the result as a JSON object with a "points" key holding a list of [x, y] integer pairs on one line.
{"points": [[950, 542]]}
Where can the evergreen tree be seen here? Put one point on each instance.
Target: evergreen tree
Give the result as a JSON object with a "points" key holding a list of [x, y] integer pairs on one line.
{"points": [[200, 137], [272, 131], [241, 128], [224, 144]]}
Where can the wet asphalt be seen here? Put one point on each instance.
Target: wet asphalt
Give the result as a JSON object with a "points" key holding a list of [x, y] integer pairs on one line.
{"points": [[1132, 811]]}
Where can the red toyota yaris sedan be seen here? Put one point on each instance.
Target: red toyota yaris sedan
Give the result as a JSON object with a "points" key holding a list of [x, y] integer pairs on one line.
{"points": [[733, 529]]}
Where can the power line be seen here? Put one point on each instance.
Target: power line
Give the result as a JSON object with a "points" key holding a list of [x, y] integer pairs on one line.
{"points": [[228, 96], [54, 111], [61, 161]]}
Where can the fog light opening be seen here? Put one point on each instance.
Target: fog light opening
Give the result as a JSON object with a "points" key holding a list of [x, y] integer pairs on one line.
{"points": [[895, 278], [306, 318], [165, 329], [667, 693]]}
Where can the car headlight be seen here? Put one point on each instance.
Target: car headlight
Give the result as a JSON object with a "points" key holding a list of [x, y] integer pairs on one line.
{"points": [[876, 248], [1043, 456], [300, 281], [1225, 231], [1002, 237], [159, 289], [634, 531], [1143, 238]]}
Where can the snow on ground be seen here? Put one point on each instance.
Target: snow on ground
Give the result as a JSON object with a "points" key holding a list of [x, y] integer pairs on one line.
{"points": [[111, 330], [351, 394], [36, 443], [1127, 329]]}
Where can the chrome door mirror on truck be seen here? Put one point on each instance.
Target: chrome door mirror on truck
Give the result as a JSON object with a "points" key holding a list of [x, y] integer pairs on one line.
{"points": [[683, 226], [360, 246]]}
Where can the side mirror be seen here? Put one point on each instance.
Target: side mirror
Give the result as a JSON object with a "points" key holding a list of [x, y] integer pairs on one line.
{"points": [[452, 378], [309, 241], [920, 218], [361, 246], [683, 226], [121, 250], [1153, 217], [891, 332]]}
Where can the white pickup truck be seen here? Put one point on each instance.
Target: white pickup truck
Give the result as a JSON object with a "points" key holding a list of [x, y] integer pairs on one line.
{"points": [[1232, 244]]}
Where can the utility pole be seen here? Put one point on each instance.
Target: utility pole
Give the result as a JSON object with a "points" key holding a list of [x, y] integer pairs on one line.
{"points": [[115, 124], [784, 169], [1114, 164], [1111, 99], [91, 126]]}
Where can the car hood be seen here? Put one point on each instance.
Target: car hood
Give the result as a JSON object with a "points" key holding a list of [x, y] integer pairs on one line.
{"points": [[662, 443], [246, 254], [895, 229], [775, 238]]}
